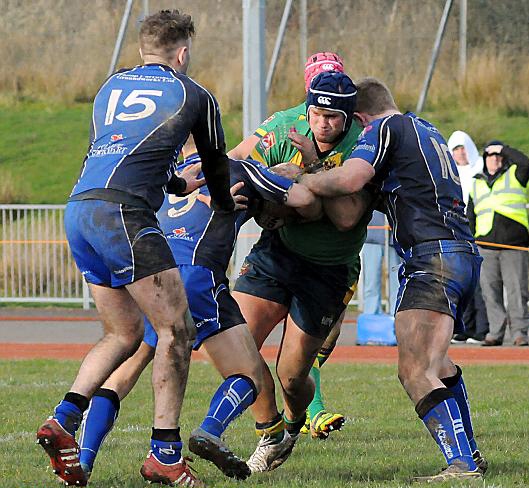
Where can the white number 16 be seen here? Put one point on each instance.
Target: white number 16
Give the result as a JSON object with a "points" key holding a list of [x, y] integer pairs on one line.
{"points": [[135, 97]]}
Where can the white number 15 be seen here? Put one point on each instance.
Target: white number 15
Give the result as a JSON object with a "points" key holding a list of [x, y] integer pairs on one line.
{"points": [[134, 98]]}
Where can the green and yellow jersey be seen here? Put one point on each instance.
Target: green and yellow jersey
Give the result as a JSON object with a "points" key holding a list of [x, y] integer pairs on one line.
{"points": [[282, 118], [319, 241]]}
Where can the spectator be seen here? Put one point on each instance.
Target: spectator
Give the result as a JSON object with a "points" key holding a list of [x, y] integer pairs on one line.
{"points": [[469, 163], [372, 255], [498, 214]]}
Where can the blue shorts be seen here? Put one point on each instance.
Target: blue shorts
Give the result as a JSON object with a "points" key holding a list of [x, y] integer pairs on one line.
{"points": [[211, 305], [315, 294], [115, 244], [439, 280]]}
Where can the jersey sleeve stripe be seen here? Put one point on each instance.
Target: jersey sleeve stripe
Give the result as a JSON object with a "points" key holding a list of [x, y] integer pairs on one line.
{"points": [[382, 145], [260, 179], [260, 132]]}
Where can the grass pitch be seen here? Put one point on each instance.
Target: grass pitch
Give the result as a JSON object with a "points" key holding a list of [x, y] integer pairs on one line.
{"points": [[382, 445]]}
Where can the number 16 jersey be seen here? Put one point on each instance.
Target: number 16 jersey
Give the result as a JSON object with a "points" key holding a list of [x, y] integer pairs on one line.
{"points": [[418, 178], [141, 118]]}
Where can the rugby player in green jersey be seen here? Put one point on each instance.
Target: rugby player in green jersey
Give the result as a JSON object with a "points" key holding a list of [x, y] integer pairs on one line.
{"points": [[319, 422], [304, 272]]}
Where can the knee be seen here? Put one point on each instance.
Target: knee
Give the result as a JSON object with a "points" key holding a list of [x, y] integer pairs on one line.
{"points": [[129, 340], [291, 384]]}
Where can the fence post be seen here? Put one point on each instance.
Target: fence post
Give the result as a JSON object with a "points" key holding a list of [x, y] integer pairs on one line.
{"points": [[86, 296]]}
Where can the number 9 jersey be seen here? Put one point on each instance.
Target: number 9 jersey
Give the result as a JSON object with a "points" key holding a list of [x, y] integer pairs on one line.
{"points": [[141, 118]]}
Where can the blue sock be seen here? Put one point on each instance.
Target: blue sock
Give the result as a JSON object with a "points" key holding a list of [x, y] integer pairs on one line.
{"points": [[98, 422], [440, 413], [232, 398], [167, 452], [68, 415], [457, 386]]}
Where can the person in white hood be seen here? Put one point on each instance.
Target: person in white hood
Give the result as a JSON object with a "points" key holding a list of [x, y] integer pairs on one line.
{"points": [[469, 163], [466, 155]]}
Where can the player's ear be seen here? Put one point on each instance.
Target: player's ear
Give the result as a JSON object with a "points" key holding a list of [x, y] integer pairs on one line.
{"points": [[361, 119], [182, 55]]}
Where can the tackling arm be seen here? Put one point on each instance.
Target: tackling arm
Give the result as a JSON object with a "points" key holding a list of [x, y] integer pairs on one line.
{"points": [[345, 212], [343, 180]]}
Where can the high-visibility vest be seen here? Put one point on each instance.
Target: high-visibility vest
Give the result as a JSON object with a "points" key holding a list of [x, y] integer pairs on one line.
{"points": [[507, 197]]}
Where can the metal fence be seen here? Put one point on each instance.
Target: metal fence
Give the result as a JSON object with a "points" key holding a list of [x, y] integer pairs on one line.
{"points": [[35, 262], [36, 265]]}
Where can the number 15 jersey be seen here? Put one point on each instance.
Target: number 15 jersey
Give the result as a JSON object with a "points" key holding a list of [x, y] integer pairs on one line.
{"points": [[418, 178], [141, 118]]}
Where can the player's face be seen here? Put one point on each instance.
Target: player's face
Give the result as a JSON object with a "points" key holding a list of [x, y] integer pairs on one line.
{"points": [[326, 125], [460, 155]]}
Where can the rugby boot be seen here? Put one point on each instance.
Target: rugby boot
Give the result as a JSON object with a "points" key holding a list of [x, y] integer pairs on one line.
{"points": [[480, 461], [63, 451], [454, 472], [324, 423], [177, 474], [211, 448], [271, 453], [306, 428]]}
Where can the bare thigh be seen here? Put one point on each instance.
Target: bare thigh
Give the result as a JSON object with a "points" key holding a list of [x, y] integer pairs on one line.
{"points": [[261, 315]]}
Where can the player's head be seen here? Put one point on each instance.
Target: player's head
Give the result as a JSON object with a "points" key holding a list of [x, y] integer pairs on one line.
{"points": [[320, 62], [374, 98], [331, 102], [167, 35]]}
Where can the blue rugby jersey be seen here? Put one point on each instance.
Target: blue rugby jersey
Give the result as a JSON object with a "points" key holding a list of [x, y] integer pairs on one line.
{"points": [[418, 178], [205, 237], [141, 118]]}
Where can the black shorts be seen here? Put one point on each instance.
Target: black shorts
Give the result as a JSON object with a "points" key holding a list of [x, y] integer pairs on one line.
{"points": [[115, 244], [315, 294], [440, 281]]}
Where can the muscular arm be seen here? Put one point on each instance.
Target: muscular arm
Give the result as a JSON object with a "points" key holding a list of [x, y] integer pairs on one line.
{"points": [[343, 180], [345, 212], [244, 149], [306, 204]]}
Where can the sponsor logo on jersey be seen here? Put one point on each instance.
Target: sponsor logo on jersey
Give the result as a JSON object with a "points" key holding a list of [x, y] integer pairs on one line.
{"points": [[107, 150], [324, 100], [333, 160], [366, 147], [180, 233], [366, 130], [116, 137], [268, 141]]}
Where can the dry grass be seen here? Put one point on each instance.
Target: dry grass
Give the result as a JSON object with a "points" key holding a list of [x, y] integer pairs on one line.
{"points": [[11, 189], [60, 49]]}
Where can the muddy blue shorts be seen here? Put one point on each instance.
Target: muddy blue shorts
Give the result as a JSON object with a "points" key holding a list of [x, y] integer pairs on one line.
{"points": [[211, 305], [439, 276], [115, 244]]}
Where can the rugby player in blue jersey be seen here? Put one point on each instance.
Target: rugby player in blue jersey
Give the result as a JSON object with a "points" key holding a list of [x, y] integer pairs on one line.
{"points": [[202, 243], [408, 159], [141, 118]]}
